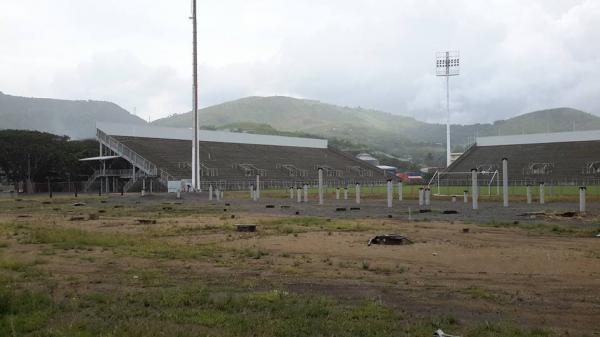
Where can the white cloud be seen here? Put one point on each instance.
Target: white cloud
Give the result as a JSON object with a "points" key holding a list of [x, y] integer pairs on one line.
{"points": [[517, 55]]}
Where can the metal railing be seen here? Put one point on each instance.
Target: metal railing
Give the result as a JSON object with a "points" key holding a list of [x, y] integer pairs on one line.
{"points": [[127, 153], [91, 181], [131, 156], [129, 184]]}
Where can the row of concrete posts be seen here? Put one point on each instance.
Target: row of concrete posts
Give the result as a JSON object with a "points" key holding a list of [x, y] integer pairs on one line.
{"points": [[424, 193], [582, 190]]}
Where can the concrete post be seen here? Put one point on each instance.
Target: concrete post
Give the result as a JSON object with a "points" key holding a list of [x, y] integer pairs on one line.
{"points": [[427, 196], [474, 189], [357, 193], [292, 193], [251, 192], [218, 193], [346, 193], [453, 199], [305, 189], [421, 196], [505, 182], [529, 197], [222, 195], [466, 196], [210, 192], [299, 194], [582, 191], [337, 193], [257, 193], [542, 200], [390, 193], [400, 191], [320, 186]]}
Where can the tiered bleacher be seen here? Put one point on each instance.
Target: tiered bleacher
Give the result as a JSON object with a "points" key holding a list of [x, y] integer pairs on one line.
{"points": [[556, 158], [233, 160]]}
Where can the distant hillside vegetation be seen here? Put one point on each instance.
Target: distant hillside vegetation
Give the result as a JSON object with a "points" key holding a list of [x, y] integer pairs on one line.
{"points": [[349, 128], [398, 135], [552, 120], [76, 119]]}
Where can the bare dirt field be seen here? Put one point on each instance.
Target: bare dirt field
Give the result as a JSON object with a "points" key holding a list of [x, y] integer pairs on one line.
{"points": [[96, 269]]}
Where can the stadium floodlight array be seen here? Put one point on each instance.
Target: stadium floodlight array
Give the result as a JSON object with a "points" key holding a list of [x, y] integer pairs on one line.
{"points": [[447, 64]]}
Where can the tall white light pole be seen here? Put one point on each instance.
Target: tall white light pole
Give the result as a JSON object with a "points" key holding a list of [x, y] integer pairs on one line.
{"points": [[195, 145], [448, 64]]}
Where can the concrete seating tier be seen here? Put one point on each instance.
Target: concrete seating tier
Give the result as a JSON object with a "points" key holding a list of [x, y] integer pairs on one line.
{"points": [[174, 156], [559, 163]]}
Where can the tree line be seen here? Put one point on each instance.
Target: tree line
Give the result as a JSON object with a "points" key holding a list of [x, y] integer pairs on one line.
{"points": [[40, 156]]}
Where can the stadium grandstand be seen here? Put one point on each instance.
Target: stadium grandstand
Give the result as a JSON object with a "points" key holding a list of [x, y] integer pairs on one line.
{"points": [[135, 157], [562, 158]]}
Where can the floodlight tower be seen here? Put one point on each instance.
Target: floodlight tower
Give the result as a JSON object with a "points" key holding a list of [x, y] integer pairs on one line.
{"points": [[448, 64], [195, 145]]}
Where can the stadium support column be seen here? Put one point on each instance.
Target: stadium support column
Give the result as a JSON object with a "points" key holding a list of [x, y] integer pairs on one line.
{"points": [[474, 189], [299, 194], [210, 192], [542, 199], [357, 193], [400, 191], [251, 192], [346, 193], [428, 196], [257, 187], [337, 193], [505, 181], [320, 186], [421, 197], [466, 196], [292, 193], [582, 191], [529, 198], [390, 193]]}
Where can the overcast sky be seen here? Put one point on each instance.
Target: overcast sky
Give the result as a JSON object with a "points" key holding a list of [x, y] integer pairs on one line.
{"points": [[517, 56]]}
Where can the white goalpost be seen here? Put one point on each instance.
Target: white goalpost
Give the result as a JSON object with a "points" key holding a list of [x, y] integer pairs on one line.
{"points": [[453, 180]]}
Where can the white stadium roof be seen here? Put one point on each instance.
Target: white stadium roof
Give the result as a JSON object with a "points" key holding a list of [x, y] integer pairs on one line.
{"points": [[540, 138], [144, 131]]}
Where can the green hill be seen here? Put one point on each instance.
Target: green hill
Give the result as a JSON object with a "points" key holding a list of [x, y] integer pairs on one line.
{"points": [[397, 135], [552, 120], [351, 128], [286, 113], [76, 119]]}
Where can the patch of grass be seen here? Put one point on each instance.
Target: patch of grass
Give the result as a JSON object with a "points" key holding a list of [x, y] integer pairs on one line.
{"points": [[217, 310], [294, 225], [253, 253], [488, 329], [19, 264], [23, 312], [480, 293], [121, 243], [542, 228]]}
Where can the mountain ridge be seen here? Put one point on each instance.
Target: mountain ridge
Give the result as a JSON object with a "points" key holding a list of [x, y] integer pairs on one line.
{"points": [[74, 118], [367, 129]]}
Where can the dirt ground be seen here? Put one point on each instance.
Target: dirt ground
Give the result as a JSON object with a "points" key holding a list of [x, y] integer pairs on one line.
{"points": [[528, 264]]}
